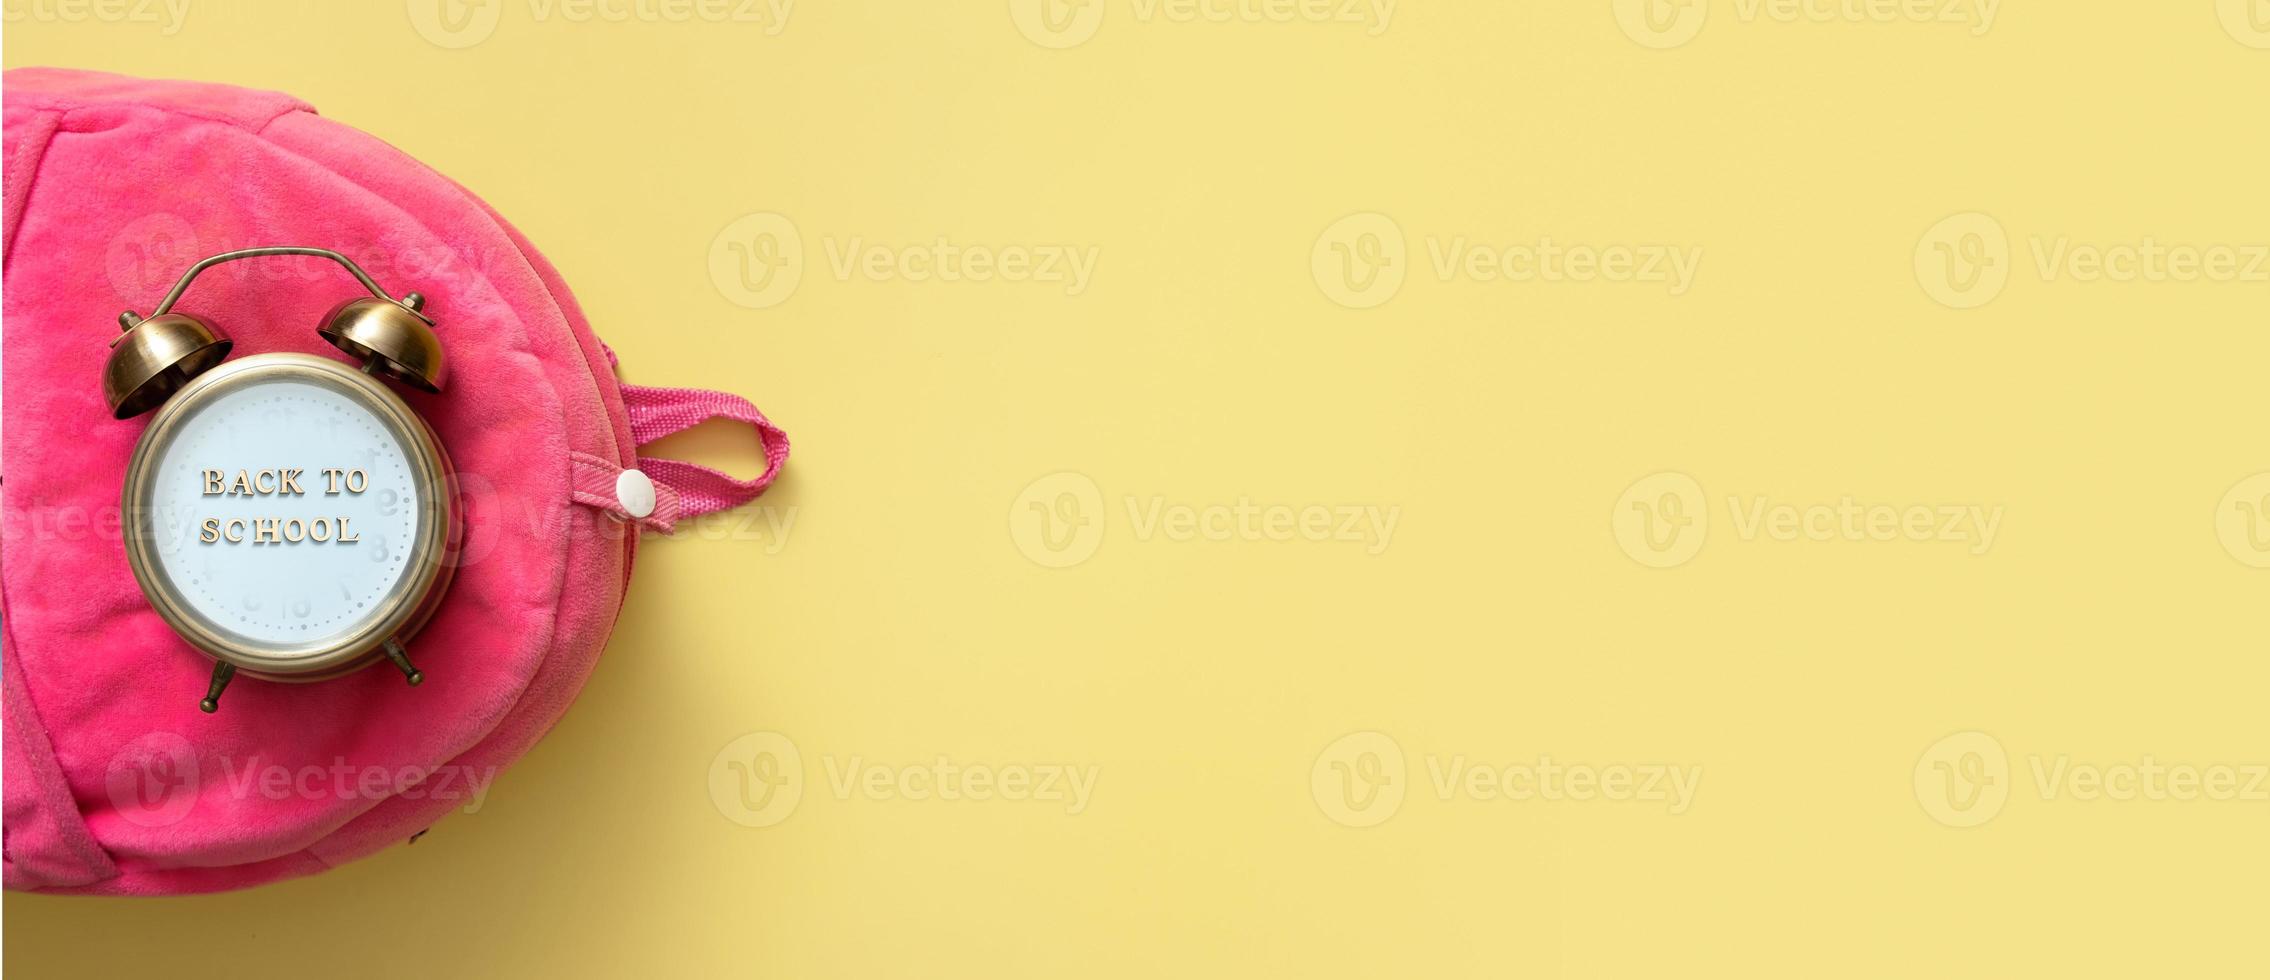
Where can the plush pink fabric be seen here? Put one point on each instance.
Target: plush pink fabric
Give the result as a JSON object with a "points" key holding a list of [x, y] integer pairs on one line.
{"points": [[113, 186]]}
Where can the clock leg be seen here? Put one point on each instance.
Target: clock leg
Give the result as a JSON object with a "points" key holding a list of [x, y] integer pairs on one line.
{"points": [[401, 660], [222, 675]]}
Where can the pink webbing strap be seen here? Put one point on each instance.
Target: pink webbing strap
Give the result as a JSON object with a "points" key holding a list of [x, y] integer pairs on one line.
{"points": [[658, 412]]}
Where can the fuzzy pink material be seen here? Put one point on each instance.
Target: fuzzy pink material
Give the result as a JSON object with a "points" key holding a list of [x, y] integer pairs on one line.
{"points": [[113, 185]]}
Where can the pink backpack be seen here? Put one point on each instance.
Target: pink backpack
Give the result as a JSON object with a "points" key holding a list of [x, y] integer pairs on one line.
{"points": [[115, 781]]}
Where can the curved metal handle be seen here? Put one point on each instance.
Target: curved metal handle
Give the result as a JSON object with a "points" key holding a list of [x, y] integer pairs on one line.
{"points": [[410, 302]]}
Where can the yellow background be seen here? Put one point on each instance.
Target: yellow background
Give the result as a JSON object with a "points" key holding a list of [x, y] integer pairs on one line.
{"points": [[2115, 616]]}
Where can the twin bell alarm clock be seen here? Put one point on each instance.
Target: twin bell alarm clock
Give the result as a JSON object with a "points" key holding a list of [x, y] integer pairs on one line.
{"points": [[288, 515]]}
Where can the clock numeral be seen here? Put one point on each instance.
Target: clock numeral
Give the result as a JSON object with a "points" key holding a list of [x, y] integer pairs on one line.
{"points": [[378, 548], [388, 502], [297, 607]]}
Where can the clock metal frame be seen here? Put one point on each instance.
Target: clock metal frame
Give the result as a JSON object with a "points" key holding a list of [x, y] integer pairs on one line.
{"points": [[432, 553]]}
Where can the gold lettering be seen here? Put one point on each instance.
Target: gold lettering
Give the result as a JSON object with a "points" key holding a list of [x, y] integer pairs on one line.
{"points": [[331, 481], [357, 481], [273, 482], [276, 530]]}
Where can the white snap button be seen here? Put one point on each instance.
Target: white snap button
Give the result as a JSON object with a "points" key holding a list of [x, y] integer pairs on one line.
{"points": [[635, 492]]}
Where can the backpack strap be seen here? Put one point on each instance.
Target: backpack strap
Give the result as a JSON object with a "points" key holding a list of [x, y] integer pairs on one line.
{"points": [[682, 489]]}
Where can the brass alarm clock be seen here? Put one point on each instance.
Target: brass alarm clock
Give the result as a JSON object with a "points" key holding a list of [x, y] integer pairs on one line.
{"points": [[286, 514]]}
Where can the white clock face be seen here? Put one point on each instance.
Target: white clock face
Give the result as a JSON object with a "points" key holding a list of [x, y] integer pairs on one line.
{"points": [[282, 512]]}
